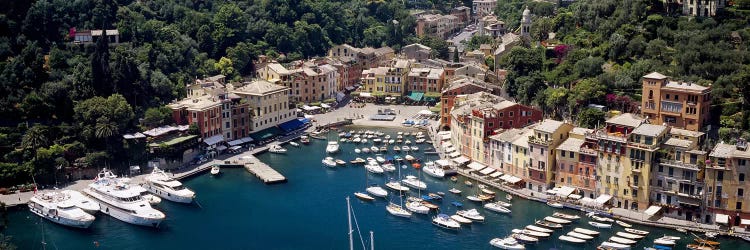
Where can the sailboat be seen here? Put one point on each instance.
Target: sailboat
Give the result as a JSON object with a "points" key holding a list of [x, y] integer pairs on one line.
{"points": [[374, 189], [351, 231], [398, 209]]}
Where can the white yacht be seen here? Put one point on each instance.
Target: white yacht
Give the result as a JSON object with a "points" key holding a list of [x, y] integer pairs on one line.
{"points": [[471, 214], [412, 181], [81, 201], [329, 162], [159, 183], [377, 191], [395, 185], [60, 208], [433, 170], [122, 201], [373, 167], [445, 221], [417, 207], [332, 147], [276, 149]]}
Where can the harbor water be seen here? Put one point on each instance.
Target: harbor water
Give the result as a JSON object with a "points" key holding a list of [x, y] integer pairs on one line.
{"points": [[237, 211]]}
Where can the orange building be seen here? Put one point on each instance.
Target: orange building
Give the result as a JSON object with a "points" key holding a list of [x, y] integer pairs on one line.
{"points": [[678, 104]]}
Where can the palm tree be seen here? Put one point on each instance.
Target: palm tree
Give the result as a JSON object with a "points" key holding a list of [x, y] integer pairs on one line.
{"points": [[35, 137], [105, 128]]}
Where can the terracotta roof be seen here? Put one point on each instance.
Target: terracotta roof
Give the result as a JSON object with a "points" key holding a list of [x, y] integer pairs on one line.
{"points": [[571, 144], [655, 75], [549, 125]]}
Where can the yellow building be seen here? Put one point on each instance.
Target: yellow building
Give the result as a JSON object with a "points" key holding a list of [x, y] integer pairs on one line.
{"points": [[726, 184], [520, 148], [548, 134], [643, 144]]}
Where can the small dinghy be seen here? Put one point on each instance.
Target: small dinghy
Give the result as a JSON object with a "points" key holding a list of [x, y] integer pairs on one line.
{"points": [[539, 229], [356, 150], [623, 224], [620, 240], [454, 190], [600, 225], [555, 204], [294, 144], [580, 235], [630, 236], [586, 231], [487, 191], [364, 196], [507, 243], [636, 231], [468, 183], [525, 238], [215, 170], [571, 239]]}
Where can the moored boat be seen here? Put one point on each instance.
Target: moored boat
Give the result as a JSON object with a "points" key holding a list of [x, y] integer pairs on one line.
{"points": [[487, 191], [161, 184], [525, 238], [555, 204], [377, 191], [123, 201], [433, 170], [571, 239], [460, 219], [557, 220], [531, 233], [277, 149], [81, 201], [630, 236], [329, 162], [294, 144], [665, 242], [357, 161], [332, 147], [623, 224], [580, 235], [364, 196], [600, 225], [445, 221], [539, 229], [586, 231], [397, 210], [471, 214], [417, 207], [374, 168], [340, 162], [548, 224], [636, 231], [613, 245], [566, 216], [707, 242], [215, 170], [621, 240], [59, 208], [454, 190], [396, 185], [507, 243], [413, 182]]}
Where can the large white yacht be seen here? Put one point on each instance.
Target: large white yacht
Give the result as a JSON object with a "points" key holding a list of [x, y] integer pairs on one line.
{"points": [[332, 147], [123, 201], [60, 208], [159, 183], [81, 201], [433, 170]]}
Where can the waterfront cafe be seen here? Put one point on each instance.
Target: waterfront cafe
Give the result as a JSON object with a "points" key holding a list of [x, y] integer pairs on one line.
{"points": [[512, 180], [461, 160]]}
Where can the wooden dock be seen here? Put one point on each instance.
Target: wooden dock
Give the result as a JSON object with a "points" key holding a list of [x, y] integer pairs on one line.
{"points": [[267, 174]]}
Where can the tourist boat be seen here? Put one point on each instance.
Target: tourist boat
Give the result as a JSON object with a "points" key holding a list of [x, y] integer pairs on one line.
{"points": [[356, 150], [388, 167], [630, 236], [471, 214], [122, 201], [600, 225], [566, 216], [215, 170], [496, 207], [457, 204], [364, 196], [294, 144], [329, 162], [397, 210], [407, 142], [377, 191], [557, 220], [508, 197], [454, 190], [507, 243], [332, 147], [707, 242], [460, 219], [531, 233], [636, 231], [357, 140], [375, 149], [413, 182], [161, 184], [539, 229], [613, 245], [665, 242], [548, 224], [304, 139], [414, 148], [525, 238], [417, 207], [395, 185], [61, 209], [340, 162], [380, 159], [555, 204], [365, 150], [81, 201], [621, 240], [474, 198], [623, 224], [374, 168], [585, 231], [579, 235], [487, 191], [571, 239], [433, 170], [445, 221], [405, 148], [468, 183]]}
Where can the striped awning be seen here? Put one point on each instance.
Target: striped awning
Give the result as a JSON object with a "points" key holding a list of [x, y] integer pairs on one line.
{"points": [[476, 166], [487, 171], [496, 174]]}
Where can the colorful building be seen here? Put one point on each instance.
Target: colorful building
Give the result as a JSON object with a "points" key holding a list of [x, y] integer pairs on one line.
{"points": [[547, 135], [677, 104]]}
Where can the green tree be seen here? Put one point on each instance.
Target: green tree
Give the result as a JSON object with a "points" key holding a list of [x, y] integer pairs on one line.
{"points": [[157, 116], [35, 137], [224, 65], [585, 92], [590, 118]]}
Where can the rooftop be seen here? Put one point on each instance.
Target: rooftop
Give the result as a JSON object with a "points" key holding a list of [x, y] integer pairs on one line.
{"points": [[549, 126], [278, 68], [571, 144], [649, 130], [678, 143], [722, 150], [626, 119], [259, 87], [685, 132], [417, 45], [581, 131], [196, 103], [523, 140], [508, 135], [655, 75], [686, 86]]}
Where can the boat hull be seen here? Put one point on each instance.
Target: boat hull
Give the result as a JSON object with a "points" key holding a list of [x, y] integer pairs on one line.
{"points": [[125, 216], [62, 220], [169, 196]]}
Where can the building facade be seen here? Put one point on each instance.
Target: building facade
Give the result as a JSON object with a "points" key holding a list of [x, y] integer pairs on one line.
{"points": [[546, 137], [726, 173], [269, 103], [678, 104]]}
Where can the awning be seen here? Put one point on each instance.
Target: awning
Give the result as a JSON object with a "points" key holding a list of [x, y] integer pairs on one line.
{"points": [[425, 112], [685, 203], [291, 125], [744, 222], [210, 141], [510, 179], [340, 96], [586, 201], [447, 144], [565, 191], [445, 137], [450, 149], [416, 96], [454, 155], [265, 133], [496, 174], [487, 171], [365, 94], [722, 218], [235, 148], [221, 148], [575, 196], [652, 210], [326, 106], [443, 163], [476, 166], [461, 160], [240, 141], [602, 199], [551, 191]]}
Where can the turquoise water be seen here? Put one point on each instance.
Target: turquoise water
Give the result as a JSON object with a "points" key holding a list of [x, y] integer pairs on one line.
{"points": [[238, 211]]}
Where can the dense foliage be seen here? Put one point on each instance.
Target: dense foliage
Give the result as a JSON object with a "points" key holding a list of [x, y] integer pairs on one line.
{"points": [[67, 105]]}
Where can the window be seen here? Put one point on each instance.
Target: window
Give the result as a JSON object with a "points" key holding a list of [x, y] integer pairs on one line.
{"points": [[740, 192], [659, 183], [667, 96], [511, 114], [742, 177], [720, 176], [739, 205]]}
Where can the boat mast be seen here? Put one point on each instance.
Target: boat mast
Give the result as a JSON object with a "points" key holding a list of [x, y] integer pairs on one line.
{"points": [[349, 218], [372, 241]]}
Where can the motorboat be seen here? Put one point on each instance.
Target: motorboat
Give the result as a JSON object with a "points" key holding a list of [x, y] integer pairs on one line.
{"points": [[474, 198], [430, 205], [571, 239], [487, 191], [329, 162], [342, 140], [557, 220], [623, 224], [387, 137], [508, 197], [380, 159], [407, 142], [433, 170], [707, 242], [356, 150], [613, 245], [405, 148], [445, 221], [294, 144], [454, 179], [340, 162], [388, 167], [414, 182], [698, 247], [357, 140], [215, 170], [566, 216], [397, 210], [377, 140], [457, 204], [670, 237], [145, 194], [665, 242], [420, 140], [395, 185], [712, 234], [621, 240], [409, 158], [161, 184], [504, 204], [495, 207], [377, 191], [417, 207], [81, 201], [580, 235], [383, 149], [414, 148], [485, 197], [507, 243], [460, 219], [397, 158], [539, 229], [586, 231], [391, 141], [524, 238], [357, 161], [681, 230], [598, 218], [548, 224], [454, 190], [636, 231], [468, 183], [630, 236], [441, 194], [375, 149], [364, 196], [531, 233], [122, 201], [600, 225], [471, 214], [332, 147], [396, 148], [60, 208], [555, 204], [365, 150], [400, 133], [374, 168], [304, 139], [364, 140]]}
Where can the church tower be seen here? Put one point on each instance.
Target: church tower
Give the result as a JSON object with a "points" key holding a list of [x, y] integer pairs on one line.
{"points": [[526, 23]]}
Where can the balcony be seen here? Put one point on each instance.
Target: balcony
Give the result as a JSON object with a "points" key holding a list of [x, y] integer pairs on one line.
{"points": [[643, 146], [602, 135], [679, 164], [587, 151], [539, 141]]}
